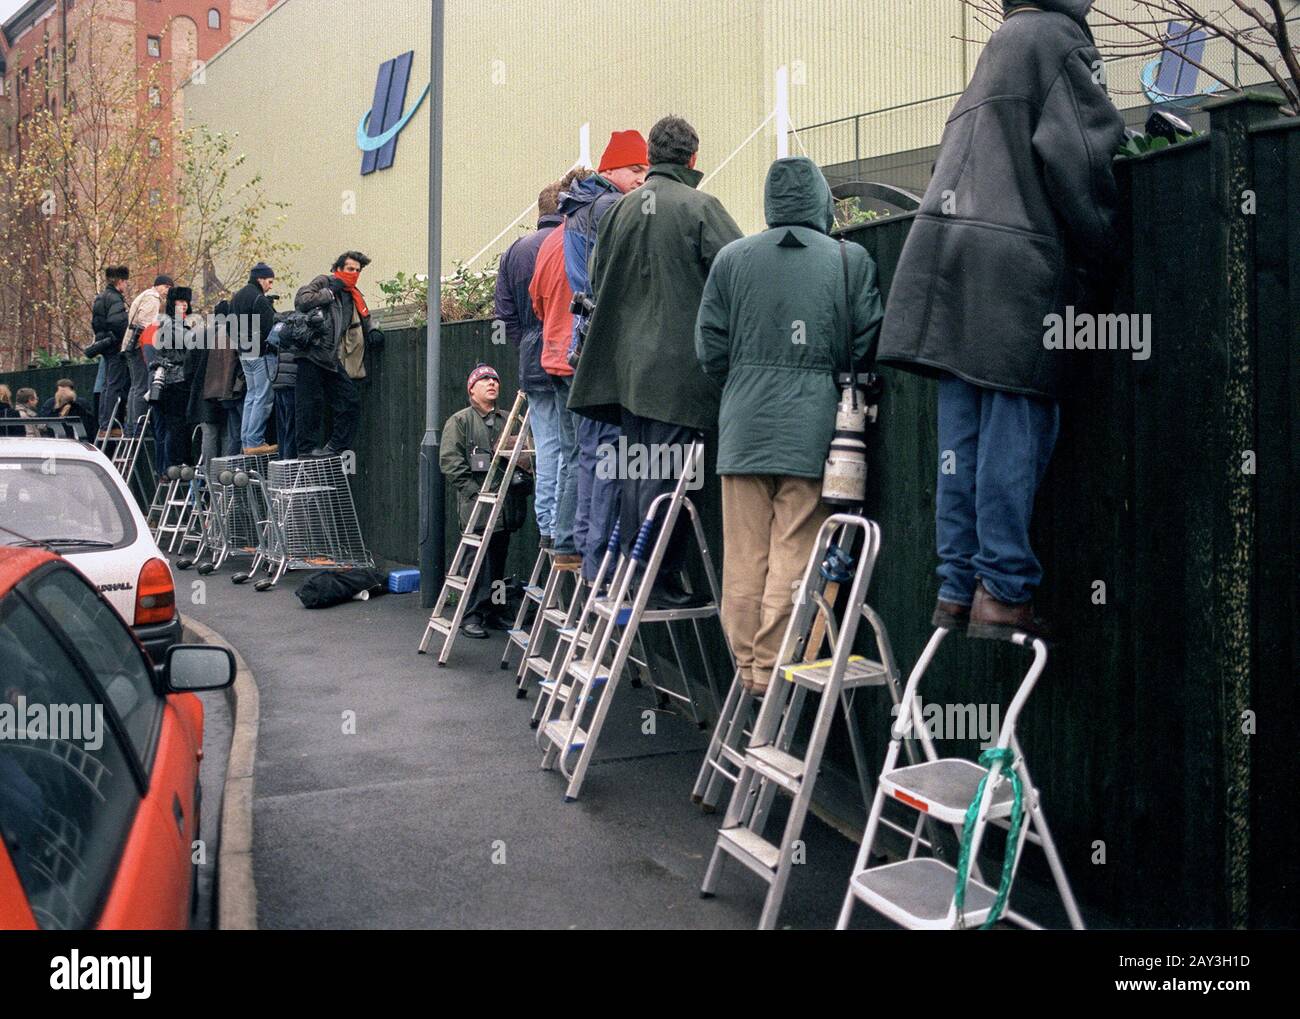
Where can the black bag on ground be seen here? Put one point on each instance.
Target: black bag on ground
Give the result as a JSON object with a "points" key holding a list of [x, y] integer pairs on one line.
{"points": [[325, 588]]}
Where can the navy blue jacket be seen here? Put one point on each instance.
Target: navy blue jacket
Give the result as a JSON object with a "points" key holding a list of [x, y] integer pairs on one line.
{"points": [[514, 307], [584, 207]]}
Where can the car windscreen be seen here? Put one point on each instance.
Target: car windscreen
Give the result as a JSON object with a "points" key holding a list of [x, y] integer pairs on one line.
{"points": [[68, 503]]}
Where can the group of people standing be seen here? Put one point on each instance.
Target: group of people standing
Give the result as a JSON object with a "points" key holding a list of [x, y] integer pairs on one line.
{"points": [[225, 377], [682, 327]]}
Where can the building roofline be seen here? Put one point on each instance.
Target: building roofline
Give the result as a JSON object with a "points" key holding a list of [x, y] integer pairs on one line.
{"points": [[235, 41], [28, 13]]}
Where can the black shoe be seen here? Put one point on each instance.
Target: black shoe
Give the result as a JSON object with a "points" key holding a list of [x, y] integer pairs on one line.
{"points": [[473, 629], [668, 593], [545, 541], [497, 623]]}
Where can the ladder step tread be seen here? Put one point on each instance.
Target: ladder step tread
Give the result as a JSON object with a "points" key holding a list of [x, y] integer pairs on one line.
{"points": [[539, 664], [859, 671], [519, 637], [557, 731], [568, 632], [534, 592], [751, 849], [604, 608], [944, 788], [556, 617], [457, 583], [918, 893], [473, 540], [582, 672], [784, 769], [440, 624]]}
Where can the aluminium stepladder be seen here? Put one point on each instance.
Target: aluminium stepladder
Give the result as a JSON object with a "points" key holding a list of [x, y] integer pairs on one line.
{"points": [[767, 765], [472, 550], [922, 892], [591, 681], [534, 591]]}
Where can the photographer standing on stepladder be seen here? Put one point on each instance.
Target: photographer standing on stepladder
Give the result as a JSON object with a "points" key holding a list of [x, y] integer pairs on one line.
{"points": [[783, 312], [638, 367], [1018, 222], [108, 324], [326, 370]]}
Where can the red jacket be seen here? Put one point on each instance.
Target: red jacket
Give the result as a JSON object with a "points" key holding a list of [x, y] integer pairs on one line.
{"points": [[551, 296]]}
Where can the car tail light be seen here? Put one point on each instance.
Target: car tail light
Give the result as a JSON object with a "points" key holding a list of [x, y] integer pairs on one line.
{"points": [[155, 594]]}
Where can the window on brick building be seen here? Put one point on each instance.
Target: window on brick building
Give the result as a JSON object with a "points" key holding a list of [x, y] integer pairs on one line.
{"points": [[154, 45], [214, 18], [155, 148], [155, 96], [155, 196]]}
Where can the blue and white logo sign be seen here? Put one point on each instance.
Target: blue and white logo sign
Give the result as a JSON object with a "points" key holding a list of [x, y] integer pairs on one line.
{"points": [[385, 116]]}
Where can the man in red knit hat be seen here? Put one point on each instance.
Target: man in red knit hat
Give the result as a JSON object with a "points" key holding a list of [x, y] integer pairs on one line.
{"points": [[587, 504]]}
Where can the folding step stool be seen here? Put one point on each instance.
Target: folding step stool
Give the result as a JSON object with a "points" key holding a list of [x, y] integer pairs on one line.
{"points": [[510, 447], [163, 494], [178, 507], [922, 892], [618, 619], [767, 765]]}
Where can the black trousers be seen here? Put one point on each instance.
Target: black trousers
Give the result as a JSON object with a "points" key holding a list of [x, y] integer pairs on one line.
{"points": [[481, 605], [171, 407], [656, 453], [316, 387], [117, 384]]}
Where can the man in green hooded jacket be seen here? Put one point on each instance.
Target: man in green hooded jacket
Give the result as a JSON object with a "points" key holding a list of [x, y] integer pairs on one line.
{"points": [[783, 312]]}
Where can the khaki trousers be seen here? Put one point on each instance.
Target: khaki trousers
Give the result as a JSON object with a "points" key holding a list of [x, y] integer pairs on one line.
{"points": [[769, 524]]}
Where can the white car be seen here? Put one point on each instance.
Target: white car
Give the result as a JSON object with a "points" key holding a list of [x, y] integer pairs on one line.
{"points": [[67, 496]]}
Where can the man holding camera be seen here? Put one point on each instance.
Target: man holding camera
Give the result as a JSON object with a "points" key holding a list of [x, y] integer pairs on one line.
{"points": [[468, 440], [581, 534], [638, 370], [108, 323], [145, 311], [251, 305], [326, 370]]}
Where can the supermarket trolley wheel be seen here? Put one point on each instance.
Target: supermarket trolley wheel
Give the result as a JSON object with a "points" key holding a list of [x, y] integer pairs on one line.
{"points": [[265, 584], [184, 564], [240, 578], [205, 568]]}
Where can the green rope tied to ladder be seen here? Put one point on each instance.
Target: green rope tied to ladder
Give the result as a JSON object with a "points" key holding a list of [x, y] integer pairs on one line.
{"points": [[1007, 756]]}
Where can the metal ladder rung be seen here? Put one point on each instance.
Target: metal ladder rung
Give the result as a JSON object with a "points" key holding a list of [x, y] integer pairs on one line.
{"points": [[457, 583], [539, 664], [582, 672], [519, 637], [751, 849], [558, 732], [944, 788], [860, 671], [918, 893], [472, 540], [784, 769], [440, 624]]}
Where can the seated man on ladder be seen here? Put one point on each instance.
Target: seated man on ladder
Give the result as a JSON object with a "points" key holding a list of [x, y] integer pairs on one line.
{"points": [[468, 439], [779, 314]]}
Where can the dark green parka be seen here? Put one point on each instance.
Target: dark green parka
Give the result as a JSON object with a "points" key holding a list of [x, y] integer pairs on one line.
{"points": [[653, 253], [465, 430], [774, 328]]}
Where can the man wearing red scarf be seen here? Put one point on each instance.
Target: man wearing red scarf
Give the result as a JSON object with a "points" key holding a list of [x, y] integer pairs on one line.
{"points": [[326, 371]]}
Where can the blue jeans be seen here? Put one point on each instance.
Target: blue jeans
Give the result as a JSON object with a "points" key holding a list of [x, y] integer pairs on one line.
{"points": [[598, 497], [544, 419], [257, 400], [566, 480], [994, 448], [284, 423]]}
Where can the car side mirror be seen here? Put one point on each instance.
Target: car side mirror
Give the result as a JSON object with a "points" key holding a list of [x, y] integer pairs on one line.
{"points": [[191, 667]]}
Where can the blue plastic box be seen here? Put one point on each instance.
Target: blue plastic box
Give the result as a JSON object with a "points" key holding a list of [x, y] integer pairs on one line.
{"points": [[404, 581]]}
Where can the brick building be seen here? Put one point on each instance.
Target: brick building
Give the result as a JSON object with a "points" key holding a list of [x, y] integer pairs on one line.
{"points": [[169, 40]]}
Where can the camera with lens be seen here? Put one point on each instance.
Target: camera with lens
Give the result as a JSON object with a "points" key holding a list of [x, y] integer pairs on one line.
{"points": [[844, 478], [156, 377], [584, 307]]}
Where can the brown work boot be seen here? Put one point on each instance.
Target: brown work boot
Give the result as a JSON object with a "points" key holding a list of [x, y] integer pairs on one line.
{"points": [[949, 615], [566, 561], [264, 449], [998, 620]]}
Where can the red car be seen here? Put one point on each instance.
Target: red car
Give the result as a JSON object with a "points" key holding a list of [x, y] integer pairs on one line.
{"points": [[99, 757]]}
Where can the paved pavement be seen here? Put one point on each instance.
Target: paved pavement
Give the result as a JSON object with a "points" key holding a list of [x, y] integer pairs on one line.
{"points": [[390, 793]]}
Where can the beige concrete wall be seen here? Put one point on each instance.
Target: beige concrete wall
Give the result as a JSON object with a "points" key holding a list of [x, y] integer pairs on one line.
{"points": [[523, 75]]}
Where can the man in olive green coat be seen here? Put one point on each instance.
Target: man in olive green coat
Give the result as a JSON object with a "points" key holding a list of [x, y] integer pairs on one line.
{"points": [[638, 367], [782, 313], [477, 429]]}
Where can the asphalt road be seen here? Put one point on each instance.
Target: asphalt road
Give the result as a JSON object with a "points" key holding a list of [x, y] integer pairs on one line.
{"points": [[390, 793]]}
